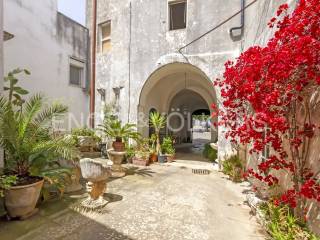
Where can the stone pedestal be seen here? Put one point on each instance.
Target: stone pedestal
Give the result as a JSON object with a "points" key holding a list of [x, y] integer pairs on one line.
{"points": [[97, 171], [117, 159]]}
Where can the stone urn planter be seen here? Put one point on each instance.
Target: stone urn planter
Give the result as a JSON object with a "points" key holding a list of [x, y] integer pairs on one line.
{"points": [[140, 161], [96, 171], [86, 144], [117, 159], [20, 201]]}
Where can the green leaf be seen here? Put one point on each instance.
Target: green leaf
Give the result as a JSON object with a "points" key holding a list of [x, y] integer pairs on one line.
{"points": [[26, 71], [20, 90], [6, 88]]}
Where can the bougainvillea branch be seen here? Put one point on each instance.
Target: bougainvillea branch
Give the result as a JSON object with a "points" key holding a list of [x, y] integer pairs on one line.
{"points": [[269, 96]]}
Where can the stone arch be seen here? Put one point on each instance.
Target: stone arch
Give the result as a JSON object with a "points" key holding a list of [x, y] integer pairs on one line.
{"points": [[166, 82]]}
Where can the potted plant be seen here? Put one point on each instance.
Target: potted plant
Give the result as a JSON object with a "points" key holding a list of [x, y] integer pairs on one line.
{"points": [[153, 150], [86, 139], [119, 133], [158, 122], [31, 150], [168, 149], [142, 153]]}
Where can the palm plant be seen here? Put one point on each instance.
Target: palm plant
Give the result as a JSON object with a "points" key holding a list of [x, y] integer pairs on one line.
{"points": [[25, 133], [157, 121], [115, 130]]}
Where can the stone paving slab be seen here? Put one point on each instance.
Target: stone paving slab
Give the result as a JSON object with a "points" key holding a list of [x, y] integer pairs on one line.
{"points": [[167, 203]]}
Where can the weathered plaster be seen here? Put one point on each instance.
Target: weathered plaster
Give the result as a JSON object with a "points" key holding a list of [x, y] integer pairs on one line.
{"points": [[44, 42]]}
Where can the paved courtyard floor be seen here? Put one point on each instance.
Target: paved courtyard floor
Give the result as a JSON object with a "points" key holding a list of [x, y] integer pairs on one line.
{"points": [[158, 202]]}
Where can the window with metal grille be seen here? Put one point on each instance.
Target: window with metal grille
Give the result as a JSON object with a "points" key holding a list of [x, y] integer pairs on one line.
{"points": [[178, 15], [76, 74]]}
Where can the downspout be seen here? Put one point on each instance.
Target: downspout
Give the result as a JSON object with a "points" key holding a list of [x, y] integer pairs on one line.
{"points": [[242, 20], [93, 63], [129, 87]]}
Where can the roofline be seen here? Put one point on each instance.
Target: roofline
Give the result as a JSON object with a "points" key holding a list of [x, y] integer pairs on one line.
{"points": [[72, 20]]}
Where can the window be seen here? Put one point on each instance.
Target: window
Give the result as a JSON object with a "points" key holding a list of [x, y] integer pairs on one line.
{"points": [[76, 72], [105, 37], [178, 14]]}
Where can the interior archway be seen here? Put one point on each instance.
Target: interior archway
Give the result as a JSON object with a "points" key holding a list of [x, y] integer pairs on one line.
{"points": [[177, 89]]}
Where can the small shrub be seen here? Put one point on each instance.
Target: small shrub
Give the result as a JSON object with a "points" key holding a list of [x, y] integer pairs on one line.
{"points": [[233, 167], [167, 146], [210, 153], [6, 182], [282, 225], [86, 132]]}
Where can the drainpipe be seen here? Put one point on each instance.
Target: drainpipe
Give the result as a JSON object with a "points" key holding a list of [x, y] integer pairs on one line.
{"points": [[93, 63], [242, 20]]}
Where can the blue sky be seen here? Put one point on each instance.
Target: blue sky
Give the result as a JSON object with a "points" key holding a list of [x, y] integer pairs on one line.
{"points": [[74, 9]]}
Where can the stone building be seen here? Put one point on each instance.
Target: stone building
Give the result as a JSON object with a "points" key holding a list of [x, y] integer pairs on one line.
{"points": [[54, 49], [139, 66]]}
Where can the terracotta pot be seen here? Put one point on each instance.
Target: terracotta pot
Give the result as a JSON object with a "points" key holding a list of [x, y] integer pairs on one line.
{"points": [[118, 146], [154, 158], [170, 157], [140, 161], [20, 201]]}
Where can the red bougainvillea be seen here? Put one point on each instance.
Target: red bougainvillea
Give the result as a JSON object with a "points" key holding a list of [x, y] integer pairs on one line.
{"points": [[270, 94]]}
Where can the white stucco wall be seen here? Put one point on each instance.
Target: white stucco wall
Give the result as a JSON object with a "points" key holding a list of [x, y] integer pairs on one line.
{"points": [[43, 43]]}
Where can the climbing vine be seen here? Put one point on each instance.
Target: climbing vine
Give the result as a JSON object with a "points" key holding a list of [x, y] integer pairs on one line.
{"points": [[270, 95]]}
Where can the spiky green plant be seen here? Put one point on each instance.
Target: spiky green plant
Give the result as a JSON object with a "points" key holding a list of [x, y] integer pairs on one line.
{"points": [[25, 133], [157, 121], [115, 130]]}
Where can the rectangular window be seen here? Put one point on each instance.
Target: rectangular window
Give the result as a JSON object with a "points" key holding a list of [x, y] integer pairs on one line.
{"points": [[105, 37], [76, 72], [178, 15]]}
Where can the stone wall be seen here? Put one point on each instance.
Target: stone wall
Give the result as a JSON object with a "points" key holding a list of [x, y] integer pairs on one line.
{"points": [[142, 44], [44, 42]]}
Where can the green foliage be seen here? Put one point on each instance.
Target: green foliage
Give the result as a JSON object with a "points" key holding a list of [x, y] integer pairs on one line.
{"points": [[234, 168], [282, 225], [6, 182], [77, 132], [26, 133], [201, 117], [167, 146], [115, 130], [210, 153], [142, 150], [153, 141], [15, 92], [157, 121], [130, 152]]}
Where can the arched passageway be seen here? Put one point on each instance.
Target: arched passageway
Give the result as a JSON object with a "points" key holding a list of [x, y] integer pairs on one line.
{"points": [[177, 90]]}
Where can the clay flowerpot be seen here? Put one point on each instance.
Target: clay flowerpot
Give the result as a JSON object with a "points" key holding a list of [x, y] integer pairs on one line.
{"points": [[140, 161], [154, 158], [118, 146], [20, 201], [170, 157]]}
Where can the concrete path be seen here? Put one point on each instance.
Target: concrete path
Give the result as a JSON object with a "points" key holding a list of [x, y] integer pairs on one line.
{"points": [[161, 202]]}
